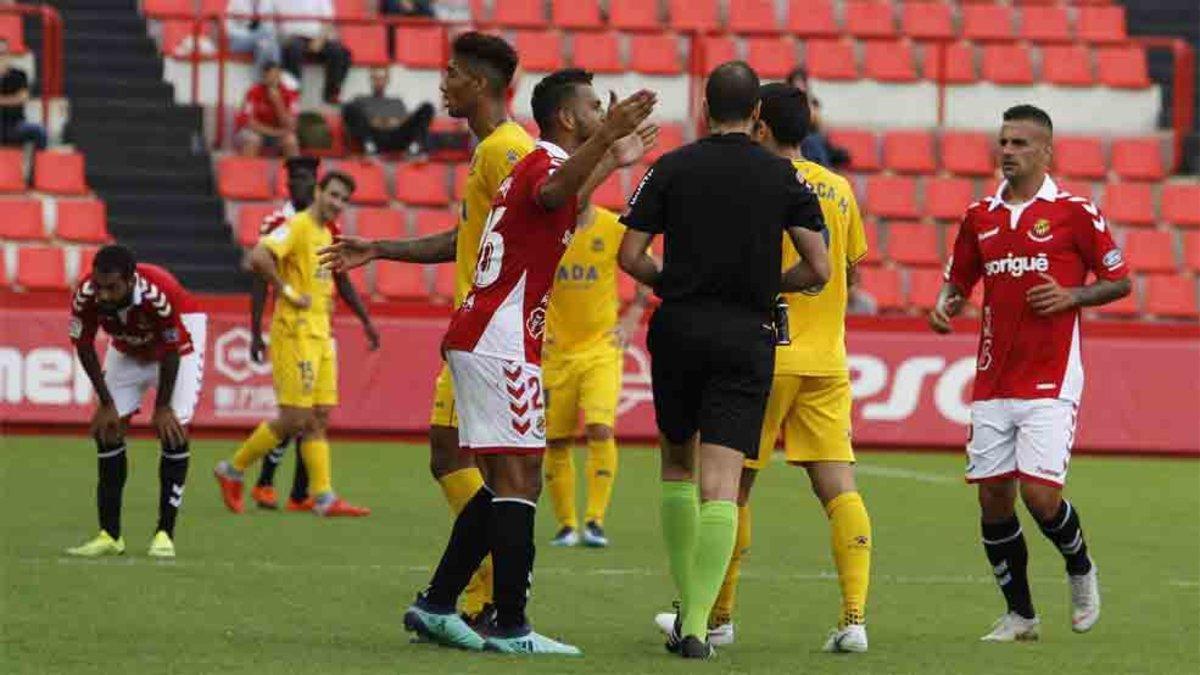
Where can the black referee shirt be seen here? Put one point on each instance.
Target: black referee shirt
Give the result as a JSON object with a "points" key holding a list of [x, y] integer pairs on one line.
{"points": [[722, 204]]}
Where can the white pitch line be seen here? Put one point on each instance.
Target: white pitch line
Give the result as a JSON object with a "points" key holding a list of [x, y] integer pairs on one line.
{"points": [[907, 474], [267, 565]]}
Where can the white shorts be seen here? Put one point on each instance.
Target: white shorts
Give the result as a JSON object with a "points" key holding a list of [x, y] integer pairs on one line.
{"points": [[500, 404], [129, 378], [1029, 439]]}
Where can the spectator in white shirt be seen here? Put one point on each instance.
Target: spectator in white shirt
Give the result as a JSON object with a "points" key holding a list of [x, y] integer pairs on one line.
{"points": [[253, 31], [315, 39]]}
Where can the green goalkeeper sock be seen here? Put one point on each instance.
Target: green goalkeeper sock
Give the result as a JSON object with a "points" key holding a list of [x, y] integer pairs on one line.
{"points": [[714, 546], [680, 518]]}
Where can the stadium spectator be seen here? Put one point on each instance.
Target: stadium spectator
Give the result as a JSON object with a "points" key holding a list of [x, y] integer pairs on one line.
{"points": [[816, 145], [406, 7], [860, 301], [268, 116], [254, 35], [382, 122], [313, 38], [14, 92]]}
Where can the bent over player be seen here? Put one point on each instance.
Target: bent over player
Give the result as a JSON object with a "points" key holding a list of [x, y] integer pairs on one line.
{"points": [[1033, 246], [157, 337]]}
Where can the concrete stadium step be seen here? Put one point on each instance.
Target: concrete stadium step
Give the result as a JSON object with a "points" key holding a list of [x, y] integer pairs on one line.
{"points": [[129, 136], [183, 227], [124, 204], [133, 88], [126, 66], [103, 21], [128, 179], [137, 111], [174, 250], [118, 5], [167, 157], [223, 279]]}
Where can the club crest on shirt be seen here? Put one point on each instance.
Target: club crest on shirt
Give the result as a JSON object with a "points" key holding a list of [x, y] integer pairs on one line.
{"points": [[598, 245], [512, 156], [536, 325], [1040, 232]]}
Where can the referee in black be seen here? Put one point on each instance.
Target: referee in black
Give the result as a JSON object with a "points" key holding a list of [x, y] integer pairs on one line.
{"points": [[722, 205]]}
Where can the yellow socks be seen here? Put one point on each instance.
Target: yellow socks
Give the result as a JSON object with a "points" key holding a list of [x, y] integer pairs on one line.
{"points": [[261, 441], [722, 611], [559, 467], [315, 452], [460, 486], [850, 530], [601, 469]]}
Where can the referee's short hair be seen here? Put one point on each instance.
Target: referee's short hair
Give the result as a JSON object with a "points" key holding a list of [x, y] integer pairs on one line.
{"points": [[785, 112], [553, 92], [731, 92], [1030, 113], [115, 258], [341, 177]]}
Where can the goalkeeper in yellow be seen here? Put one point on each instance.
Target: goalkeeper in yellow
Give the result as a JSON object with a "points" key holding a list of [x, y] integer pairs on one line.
{"points": [[582, 359], [810, 396], [304, 363]]}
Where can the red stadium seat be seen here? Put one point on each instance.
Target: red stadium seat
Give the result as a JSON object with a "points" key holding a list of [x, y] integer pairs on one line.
{"points": [[82, 220], [633, 15], [654, 54], [22, 219], [889, 61], [249, 220], [948, 198], [863, 147], [892, 197], [1150, 250], [423, 184], [433, 221], [157, 8], [421, 47], [960, 62], [1079, 157], [1191, 251], [11, 30], [909, 151], [380, 223], [1129, 204], [968, 153], [830, 60], [371, 182], [611, 193], [348, 9], [59, 173], [1049, 23], [913, 244], [12, 170], [87, 254], [1138, 158], [576, 14], [1007, 64], [1181, 204], [884, 284], [367, 44], [519, 13], [597, 52], [402, 282], [541, 51], [874, 250], [444, 281], [1172, 295], [1067, 66], [1078, 188], [924, 284], [461, 172], [42, 268], [988, 22], [245, 178], [717, 49], [812, 18], [926, 20], [693, 14], [752, 16], [670, 136], [1101, 24], [772, 57], [1123, 67], [1125, 308], [360, 278], [870, 19]]}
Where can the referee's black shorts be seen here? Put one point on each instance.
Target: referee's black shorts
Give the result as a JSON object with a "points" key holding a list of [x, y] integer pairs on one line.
{"points": [[711, 366]]}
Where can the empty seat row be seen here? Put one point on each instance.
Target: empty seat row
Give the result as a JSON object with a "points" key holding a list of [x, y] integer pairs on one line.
{"points": [[74, 220], [45, 268], [54, 172]]}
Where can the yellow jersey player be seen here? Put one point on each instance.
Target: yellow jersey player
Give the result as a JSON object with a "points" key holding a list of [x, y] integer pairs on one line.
{"points": [[302, 350], [810, 395], [582, 360], [474, 87]]}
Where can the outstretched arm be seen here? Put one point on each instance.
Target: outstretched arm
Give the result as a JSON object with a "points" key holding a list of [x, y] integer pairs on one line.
{"points": [[348, 252], [349, 293]]}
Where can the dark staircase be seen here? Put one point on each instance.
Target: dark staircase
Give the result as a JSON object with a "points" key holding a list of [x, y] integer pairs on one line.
{"points": [[145, 154]]}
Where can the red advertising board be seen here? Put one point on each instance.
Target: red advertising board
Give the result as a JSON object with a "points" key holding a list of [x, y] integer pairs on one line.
{"points": [[911, 388]]}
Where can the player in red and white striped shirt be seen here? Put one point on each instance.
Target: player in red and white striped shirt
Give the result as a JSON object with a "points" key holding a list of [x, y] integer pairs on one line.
{"points": [[1033, 246]]}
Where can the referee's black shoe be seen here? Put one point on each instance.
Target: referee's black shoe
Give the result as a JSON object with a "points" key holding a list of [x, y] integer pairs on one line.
{"points": [[675, 637], [693, 647]]}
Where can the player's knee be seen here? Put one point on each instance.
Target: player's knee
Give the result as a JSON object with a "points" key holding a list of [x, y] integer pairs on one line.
{"points": [[444, 453], [997, 500], [598, 432], [107, 442], [1043, 501]]}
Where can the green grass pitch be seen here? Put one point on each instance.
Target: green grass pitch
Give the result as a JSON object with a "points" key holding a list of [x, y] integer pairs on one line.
{"points": [[287, 593]]}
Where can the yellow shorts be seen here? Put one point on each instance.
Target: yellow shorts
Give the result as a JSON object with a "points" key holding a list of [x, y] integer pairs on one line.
{"points": [[813, 412], [304, 369], [444, 413], [589, 382]]}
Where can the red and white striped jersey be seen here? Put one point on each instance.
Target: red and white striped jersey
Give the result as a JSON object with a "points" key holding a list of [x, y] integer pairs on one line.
{"points": [[149, 327], [504, 315]]}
